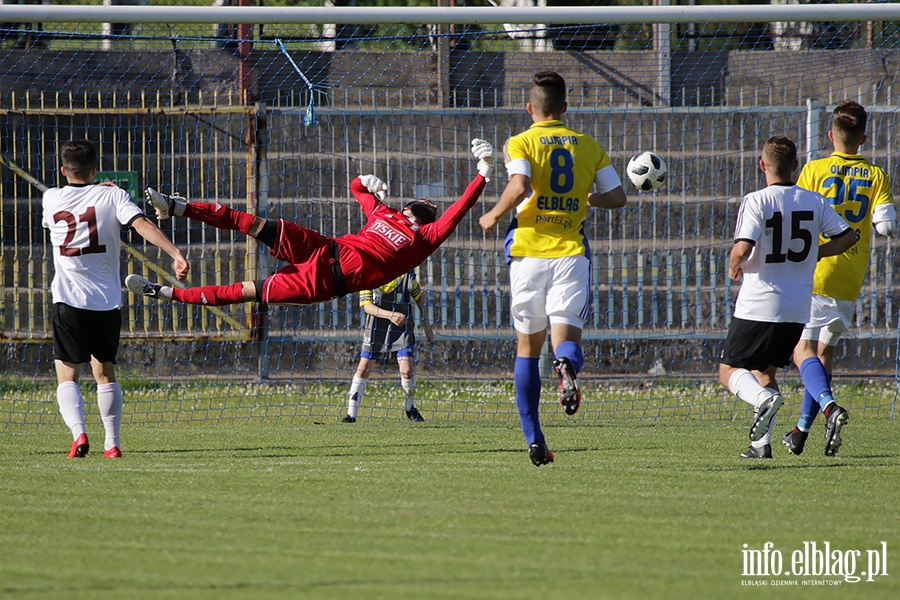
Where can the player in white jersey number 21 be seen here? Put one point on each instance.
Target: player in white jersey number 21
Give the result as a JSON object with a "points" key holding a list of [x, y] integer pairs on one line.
{"points": [[84, 221]]}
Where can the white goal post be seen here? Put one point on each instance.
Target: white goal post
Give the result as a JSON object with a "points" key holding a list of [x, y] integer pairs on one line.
{"points": [[448, 15]]}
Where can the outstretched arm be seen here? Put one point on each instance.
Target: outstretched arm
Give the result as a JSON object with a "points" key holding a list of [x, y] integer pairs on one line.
{"points": [[441, 229], [150, 232], [369, 191]]}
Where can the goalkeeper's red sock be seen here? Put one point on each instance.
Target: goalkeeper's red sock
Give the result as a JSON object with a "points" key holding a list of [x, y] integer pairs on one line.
{"points": [[219, 216], [210, 295]]}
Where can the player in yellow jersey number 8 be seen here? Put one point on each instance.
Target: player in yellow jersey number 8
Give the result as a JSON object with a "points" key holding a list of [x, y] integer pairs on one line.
{"points": [[555, 173]]}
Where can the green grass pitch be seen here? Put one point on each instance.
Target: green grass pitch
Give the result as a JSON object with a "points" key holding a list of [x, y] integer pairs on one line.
{"points": [[390, 509]]}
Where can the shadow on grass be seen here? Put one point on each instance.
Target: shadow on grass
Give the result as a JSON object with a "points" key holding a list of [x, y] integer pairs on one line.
{"points": [[297, 588]]}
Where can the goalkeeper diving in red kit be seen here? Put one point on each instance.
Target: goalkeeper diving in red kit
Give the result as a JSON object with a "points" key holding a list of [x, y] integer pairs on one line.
{"points": [[392, 243]]}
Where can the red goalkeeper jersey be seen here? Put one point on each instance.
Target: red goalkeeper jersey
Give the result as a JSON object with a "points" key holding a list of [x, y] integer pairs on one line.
{"points": [[388, 246]]}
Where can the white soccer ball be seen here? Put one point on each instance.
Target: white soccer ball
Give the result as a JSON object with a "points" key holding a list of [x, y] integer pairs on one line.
{"points": [[647, 171]]}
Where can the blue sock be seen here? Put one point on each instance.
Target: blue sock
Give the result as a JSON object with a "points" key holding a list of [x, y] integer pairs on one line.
{"points": [[527, 377], [815, 378], [808, 411], [572, 351]]}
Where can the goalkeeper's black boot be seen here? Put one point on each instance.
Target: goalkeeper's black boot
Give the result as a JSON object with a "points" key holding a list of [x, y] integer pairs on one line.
{"points": [[795, 440], [837, 418], [539, 453], [413, 415], [139, 285], [764, 452], [348, 419], [569, 392]]}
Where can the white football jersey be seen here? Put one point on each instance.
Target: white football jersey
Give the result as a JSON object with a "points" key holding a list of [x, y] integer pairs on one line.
{"points": [[784, 223], [84, 223]]}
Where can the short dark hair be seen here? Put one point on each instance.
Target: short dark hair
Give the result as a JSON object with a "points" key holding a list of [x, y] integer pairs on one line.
{"points": [[548, 92], [423, 210], [780, 154], [79, 157], [848, 123]]}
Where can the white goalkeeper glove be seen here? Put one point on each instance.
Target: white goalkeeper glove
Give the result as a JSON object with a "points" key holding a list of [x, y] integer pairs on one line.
{"points": [[376, 186], [484, 152]]}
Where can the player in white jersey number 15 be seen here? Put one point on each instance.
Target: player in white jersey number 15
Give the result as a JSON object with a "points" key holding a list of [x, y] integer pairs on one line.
{"points": [[775, 252]]}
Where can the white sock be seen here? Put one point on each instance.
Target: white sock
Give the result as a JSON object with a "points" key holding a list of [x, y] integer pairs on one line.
{"points": [[409, 390], [109, 399], [744, 385], [767, 437], [71, 407], [357, 391]]}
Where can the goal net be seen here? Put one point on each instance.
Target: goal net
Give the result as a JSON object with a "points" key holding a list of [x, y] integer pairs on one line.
{"points": [[274, 110]]}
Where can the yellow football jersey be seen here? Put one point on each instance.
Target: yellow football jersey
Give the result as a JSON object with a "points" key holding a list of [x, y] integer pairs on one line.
{"points": [[549, 222], [854, 187]]}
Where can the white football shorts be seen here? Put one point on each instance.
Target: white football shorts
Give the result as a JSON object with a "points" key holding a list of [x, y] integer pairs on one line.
{"points": [[558, 288], [829, 320]]}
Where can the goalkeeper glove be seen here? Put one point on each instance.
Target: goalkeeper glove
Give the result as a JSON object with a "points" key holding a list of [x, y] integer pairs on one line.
{"points": [[376, 186], [484, 152]]}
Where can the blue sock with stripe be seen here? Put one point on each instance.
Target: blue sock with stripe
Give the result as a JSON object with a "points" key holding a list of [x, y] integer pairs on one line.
{"points": [[527, 377], [808, 411], [816, 380]]}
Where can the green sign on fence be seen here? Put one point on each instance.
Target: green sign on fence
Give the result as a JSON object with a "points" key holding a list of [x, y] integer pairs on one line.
{"points": [[127, 180]]}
